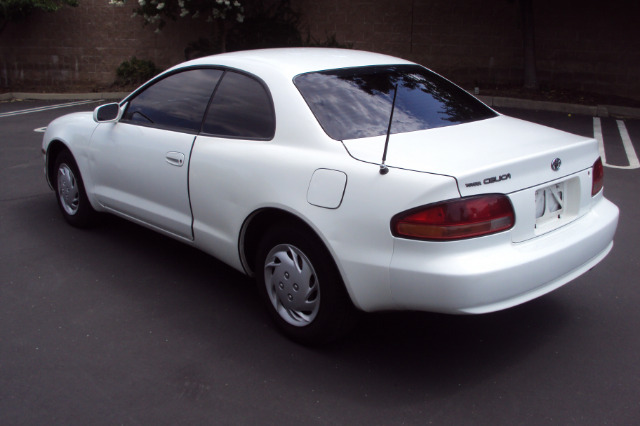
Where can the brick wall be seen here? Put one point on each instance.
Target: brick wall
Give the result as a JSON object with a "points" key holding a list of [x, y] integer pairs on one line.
{"points": [[590, 46], [80, 48], [594, 47]]}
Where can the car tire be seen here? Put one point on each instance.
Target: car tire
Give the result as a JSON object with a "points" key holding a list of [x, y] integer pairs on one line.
{"points": [[70, 192], [301, 286]]}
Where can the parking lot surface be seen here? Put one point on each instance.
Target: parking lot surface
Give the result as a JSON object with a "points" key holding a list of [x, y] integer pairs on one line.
{"points": [[119, 325]]}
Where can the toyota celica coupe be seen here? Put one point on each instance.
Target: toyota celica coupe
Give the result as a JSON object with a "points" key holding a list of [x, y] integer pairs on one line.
{"points": [[344, 181]]}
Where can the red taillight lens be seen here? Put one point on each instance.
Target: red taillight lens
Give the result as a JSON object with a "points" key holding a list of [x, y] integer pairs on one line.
{"points": [[456, 219], [598, 177]]}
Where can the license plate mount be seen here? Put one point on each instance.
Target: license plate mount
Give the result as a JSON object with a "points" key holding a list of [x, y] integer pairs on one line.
{"points": [[550, 203]]}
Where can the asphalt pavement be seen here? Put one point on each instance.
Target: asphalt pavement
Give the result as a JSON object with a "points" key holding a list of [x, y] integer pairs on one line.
{"points": [[119, 325]]}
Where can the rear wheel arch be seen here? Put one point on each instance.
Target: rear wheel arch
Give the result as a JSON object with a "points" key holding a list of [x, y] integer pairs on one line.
{"points": [[319, 308], [255, 227]]}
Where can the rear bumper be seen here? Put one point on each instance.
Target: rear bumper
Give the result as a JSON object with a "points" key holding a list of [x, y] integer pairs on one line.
{"points": [[493, 273]]}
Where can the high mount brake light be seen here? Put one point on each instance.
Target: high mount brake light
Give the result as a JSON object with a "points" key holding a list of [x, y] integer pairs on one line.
{"points": [[598, 177], [456, 219]]}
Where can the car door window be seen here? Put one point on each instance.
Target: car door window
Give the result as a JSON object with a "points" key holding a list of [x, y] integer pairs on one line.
{"points": [[241, 108], [177, 102]]}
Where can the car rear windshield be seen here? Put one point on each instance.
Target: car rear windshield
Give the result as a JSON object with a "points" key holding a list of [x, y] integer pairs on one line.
{"points": [[352, 103]]}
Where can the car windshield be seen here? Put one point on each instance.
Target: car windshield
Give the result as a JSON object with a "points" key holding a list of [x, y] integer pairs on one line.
{"points": [[353, 103]]}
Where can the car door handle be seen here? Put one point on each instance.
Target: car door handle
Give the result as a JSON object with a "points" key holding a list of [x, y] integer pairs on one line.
{"points": [[175, 158]]}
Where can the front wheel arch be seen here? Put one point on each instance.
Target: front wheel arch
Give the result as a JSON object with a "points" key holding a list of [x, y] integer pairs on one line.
{"points": [[70, 191], [53, 150]]}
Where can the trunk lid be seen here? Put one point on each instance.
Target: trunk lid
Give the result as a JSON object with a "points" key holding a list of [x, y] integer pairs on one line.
{"points": [[500, 154]]}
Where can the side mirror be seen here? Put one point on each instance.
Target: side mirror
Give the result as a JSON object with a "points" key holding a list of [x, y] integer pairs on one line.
{"points": [[107, 113]]}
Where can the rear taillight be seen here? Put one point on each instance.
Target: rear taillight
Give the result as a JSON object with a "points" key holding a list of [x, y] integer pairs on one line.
{"points": [[456, 219], [598, 177]]}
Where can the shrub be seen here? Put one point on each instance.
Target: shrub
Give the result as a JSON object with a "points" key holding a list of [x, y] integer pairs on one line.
{"points": [[135, 71]]}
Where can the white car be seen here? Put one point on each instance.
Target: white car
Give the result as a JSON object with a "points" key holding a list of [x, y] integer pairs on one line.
{"points": [[344, 181]]}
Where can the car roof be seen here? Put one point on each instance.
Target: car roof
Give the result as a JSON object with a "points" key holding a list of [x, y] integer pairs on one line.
{"points": [[294, 61]]}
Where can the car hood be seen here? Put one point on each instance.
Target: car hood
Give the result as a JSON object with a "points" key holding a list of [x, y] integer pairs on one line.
{"points": [[500, 154]]}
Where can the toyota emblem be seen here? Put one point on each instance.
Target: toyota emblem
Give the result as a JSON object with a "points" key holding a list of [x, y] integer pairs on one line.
{"points": [[555, 164]]}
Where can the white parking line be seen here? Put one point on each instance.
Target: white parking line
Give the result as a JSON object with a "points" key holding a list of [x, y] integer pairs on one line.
{"points": [[628, 146], [597, 133], [46, 108], [626, 142]]}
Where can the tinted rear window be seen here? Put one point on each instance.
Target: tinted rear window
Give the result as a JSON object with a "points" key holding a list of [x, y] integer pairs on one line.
{"points": [[354, 103]]}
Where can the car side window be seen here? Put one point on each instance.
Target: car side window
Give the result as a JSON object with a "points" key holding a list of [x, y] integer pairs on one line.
{"points": [[177, 102], [241, 108]]}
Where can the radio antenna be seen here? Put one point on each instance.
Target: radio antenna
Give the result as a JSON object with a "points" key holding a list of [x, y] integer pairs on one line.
{"points": [[383, 168]]}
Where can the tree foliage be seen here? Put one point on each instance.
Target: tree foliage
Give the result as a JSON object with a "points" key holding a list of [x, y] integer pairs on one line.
{"points": [[156, 12], [267, 24], [17, 10], [218, 12]]}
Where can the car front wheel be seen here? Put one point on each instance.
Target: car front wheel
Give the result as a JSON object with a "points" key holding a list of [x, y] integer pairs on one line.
{"points": [[72, 199], [302, 287]]}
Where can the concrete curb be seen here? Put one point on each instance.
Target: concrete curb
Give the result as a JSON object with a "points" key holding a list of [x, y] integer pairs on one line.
{"points": [[595, 111], [494, 101]]}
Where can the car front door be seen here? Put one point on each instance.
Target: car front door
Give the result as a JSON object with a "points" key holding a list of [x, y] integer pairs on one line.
{"points": [[140, 165]]}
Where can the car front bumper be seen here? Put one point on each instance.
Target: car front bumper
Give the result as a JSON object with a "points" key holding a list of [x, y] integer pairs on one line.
{"points": [[492, 273]]}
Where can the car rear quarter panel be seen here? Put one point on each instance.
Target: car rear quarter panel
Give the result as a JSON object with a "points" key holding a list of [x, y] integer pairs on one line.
{"points": [[231, 179]]}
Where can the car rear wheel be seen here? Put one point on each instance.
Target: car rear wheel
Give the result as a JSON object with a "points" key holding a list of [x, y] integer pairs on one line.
{"points": [[301, 286], [72, 199]]}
